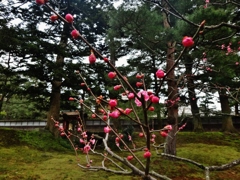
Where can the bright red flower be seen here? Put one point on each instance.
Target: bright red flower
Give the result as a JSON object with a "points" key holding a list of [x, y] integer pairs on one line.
{"points": [[53, 17], [151, 108], [105, 59], [160, 74], [140, 134], [40, 2], [92, 58], [71, 99], [147, 154], [106, 129], [163, 134], [114, 114], [149, 93], [127, 111], [139, 84], [117, 87], [187, 41], [130, 96], [69, 18], [129, 158], [168, 128], [112, 75], [139, 76], [113, 103], [155, 99], [117, 139], [75, 34], [104, 117]]}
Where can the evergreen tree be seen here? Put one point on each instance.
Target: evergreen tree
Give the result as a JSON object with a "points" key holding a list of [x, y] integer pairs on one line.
{"points": [[48, 50]]}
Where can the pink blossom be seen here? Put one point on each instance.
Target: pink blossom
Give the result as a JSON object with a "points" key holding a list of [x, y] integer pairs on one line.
{"points": [[153, 136], [114, 114], [145, 95], [104, 117], [81, 141], [86, 148], [168, 128], [128, 111], [163, 134], [160, 74], [130, 96], [140, 94], [223, 46], [92, 141], [112, 75], [155, 99], [229, 49], [187, 41], [117, 87], [138, 103], [117, 139], [107, 129], [182, 126], [151, 108], [83, 133], [147, 154], [113, 103], [61, 128]]}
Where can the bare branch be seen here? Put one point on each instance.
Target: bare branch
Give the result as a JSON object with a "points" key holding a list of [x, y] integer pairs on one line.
{"points": [[201, 166]]}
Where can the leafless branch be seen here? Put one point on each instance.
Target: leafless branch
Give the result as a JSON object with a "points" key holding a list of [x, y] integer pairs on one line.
{"points": [[201, 166]]}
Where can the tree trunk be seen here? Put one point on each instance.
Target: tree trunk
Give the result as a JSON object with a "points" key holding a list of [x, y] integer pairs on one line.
{"points": [[55, 101], [197, 122], [227, 124], [54, 109], [172, 105]]}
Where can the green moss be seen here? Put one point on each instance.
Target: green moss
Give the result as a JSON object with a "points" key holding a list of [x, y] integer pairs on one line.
{"points": [[37, 155]]}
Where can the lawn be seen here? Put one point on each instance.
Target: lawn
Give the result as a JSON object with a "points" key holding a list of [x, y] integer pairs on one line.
{"points": [[36, 155]]}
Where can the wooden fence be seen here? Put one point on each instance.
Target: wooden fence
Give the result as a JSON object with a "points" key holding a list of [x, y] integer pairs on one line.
{"points": [[96, 125]]}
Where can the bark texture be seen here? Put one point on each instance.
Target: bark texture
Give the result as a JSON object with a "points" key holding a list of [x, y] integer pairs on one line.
{"points": [[227, 124], [197, 122], [172, 106], [55, 100]]}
